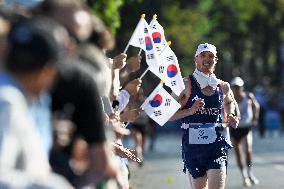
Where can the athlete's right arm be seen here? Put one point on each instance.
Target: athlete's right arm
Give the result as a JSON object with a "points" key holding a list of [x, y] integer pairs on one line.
{"points": [[181, 113], [182, 99]]}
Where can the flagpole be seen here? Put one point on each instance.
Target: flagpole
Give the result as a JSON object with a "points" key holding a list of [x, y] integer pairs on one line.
{"points": [[139, 53], [144, 73], [127, 46]]}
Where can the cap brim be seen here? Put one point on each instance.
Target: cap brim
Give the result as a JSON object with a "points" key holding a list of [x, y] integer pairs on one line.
{"points": [[204, 51]]}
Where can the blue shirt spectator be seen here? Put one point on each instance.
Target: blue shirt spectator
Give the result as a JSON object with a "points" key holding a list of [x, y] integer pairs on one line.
{"points": [[40, 111]]}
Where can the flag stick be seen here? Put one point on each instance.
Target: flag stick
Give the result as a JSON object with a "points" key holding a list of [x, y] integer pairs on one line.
{"points": [[139, 52], [127, 124], [144, 73], [126, 48]]}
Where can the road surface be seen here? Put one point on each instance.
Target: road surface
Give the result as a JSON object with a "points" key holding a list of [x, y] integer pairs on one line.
{"points": [[163, 167]]}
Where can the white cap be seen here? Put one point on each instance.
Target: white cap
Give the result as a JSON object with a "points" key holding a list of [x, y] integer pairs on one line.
{"points": [[237, 81], [206, 47]]}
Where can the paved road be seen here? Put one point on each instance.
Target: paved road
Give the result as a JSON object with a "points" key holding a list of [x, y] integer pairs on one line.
{"points": [[163, 167]]}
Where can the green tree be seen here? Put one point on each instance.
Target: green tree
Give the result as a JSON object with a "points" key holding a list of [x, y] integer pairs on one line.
{"points": [[186, 25], [231, 33], [108, 11]]}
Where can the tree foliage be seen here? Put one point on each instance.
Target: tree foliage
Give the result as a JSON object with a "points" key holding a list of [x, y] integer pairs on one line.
{"points": [[108, 10]]}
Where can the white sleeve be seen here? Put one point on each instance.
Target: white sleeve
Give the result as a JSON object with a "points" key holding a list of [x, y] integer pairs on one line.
{"points": [[20, 133], [9, 145], [36, 160], [110, 62], [123, 99]]}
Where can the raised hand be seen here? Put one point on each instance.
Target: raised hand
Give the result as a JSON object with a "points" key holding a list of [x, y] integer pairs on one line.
{"points": [[119, 61], [198, 104], [125, 152]]}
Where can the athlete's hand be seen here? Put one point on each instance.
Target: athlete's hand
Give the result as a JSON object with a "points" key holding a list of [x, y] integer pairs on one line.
{"points": [[198, 104], [233, 121]]}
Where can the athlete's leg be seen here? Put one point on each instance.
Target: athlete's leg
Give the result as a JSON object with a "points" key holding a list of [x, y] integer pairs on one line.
{"points": [[238, 153], [216, 178], [190, 181], [248, 149], [239, 157], [248, 152], [200, 182]]}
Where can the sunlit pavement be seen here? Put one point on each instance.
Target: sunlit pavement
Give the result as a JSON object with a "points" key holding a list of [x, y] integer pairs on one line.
{"points": [[163, 167]]}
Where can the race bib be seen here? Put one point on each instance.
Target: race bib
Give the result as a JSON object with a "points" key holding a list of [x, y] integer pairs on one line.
{"points": [[202, 135]]}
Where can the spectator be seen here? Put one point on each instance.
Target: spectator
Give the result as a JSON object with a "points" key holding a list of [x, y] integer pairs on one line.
{"points": [[29, 69]]}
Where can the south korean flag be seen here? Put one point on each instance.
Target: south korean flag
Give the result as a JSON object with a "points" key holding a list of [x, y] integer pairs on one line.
{"points": [[169, 71], [142, 38], [160, 105]]}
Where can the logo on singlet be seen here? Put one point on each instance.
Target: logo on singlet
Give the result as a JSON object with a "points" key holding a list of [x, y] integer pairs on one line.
{"points": [[195, 98]]}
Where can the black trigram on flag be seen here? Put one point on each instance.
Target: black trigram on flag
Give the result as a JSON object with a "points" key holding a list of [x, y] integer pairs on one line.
{"points": [[141, 41], [168, 102], [170, 58], [157, 113], [173, 83], [150, 56], [154, 26], [161, 69], [158, 49], [145, 30]]}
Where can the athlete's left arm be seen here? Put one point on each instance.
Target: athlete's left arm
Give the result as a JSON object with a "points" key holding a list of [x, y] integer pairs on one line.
{"points": [[230, 105], [255, 108]]}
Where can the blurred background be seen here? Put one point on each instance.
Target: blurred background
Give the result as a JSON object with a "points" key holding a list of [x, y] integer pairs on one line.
{"points": [[249, 36]]}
